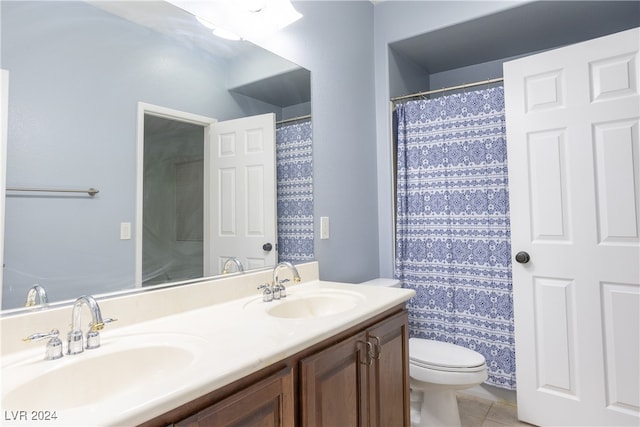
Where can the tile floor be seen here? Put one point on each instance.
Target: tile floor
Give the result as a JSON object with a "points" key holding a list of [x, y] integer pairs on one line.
{"points": [[479, 412]]}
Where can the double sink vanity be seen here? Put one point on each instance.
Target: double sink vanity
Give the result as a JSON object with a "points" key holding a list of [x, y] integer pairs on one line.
{"points": [[215, 353]]}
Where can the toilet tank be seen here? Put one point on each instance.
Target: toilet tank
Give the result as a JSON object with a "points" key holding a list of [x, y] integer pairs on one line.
{"points": [[388, 283]]}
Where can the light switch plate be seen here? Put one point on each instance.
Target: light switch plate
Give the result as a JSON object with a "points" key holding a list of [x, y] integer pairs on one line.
{"points": [[125, 231], [324, 227]]}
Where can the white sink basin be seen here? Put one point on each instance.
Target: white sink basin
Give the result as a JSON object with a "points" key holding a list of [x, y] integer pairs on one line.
{"points": [[311, 304], [121, 364]]}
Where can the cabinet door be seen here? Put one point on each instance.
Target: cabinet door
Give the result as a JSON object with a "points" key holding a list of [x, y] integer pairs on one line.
{"points": [[388, 376], [268, 403], [333, 385]]}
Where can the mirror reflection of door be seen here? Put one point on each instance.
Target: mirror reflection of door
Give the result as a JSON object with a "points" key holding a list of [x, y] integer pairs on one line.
{"points": [[208, 195], [241, 168]]}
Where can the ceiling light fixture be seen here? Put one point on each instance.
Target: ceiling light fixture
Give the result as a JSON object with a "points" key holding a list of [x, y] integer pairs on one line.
{"points": [[254, 6], [249, 19]]}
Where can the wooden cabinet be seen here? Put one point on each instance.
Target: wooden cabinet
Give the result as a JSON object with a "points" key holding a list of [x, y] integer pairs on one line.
{"points": [[268, 403], [388, 374], [333, 385], [361, 381], [358, 378]]}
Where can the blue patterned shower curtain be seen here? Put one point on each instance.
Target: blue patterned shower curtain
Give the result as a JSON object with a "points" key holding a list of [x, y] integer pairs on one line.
{"points": [[452, 235], [295, 192]]}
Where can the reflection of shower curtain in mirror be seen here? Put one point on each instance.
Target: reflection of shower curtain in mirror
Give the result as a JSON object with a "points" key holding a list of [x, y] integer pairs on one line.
{"points": [[453, 238], [295, 192]]}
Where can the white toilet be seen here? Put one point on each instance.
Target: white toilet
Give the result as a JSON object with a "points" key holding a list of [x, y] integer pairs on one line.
{"points": [[437, 370]]}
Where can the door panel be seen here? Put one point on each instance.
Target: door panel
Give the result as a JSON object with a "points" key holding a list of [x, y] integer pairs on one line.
{"points": [[620, 302], [574, 180], [268, 403], [617, 196], [547, 163], [555, 332], [389, 373], [333, 386]]}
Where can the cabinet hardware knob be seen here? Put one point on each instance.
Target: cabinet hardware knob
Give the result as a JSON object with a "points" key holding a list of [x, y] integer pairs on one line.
{"points": [[378, 348], [368, 353]]}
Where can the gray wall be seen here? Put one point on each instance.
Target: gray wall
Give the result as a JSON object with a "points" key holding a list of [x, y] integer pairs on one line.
{"points": [[344, 44], [334, 41]]}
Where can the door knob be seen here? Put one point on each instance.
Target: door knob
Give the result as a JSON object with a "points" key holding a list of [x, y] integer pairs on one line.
{"points": [[267, 247], [522, 257]]}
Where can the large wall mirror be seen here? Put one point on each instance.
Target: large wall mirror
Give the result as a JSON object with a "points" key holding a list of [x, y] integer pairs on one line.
{"points": [[85, 79]]}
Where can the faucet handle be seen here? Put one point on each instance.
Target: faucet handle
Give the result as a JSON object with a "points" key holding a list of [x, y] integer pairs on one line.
{"points": [[267, 293], [41, 336], [54, 346], [93, 336], [281, 288], [100, 326]]}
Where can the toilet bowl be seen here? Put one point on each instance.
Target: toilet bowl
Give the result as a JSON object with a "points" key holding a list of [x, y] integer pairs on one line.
{"points": [[437, 370]]}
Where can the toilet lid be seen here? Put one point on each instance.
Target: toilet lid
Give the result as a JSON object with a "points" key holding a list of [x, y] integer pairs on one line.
{"points": [[444, 356], [383, 282]]}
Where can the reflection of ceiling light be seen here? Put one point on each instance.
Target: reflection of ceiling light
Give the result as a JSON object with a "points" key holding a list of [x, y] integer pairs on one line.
{"points": [[250, 19], [206, 23], [217, 31], [254, 6], [224, 34]]}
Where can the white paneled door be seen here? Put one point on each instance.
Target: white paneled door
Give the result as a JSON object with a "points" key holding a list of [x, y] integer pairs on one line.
{"points": [[241, 194], [574, 183]]}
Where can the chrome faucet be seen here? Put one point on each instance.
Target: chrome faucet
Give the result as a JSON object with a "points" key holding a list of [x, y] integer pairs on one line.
{"points": [[276, 289], [75, 338], [279, 290], [39, 292], [232, 260]]}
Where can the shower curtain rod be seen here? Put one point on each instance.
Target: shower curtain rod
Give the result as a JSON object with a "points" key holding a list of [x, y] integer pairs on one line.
{"points": [[308, 116], [446, 89]]}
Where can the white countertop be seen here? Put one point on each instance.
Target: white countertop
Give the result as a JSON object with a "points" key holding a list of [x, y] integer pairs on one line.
{"points": [[230, 340]]}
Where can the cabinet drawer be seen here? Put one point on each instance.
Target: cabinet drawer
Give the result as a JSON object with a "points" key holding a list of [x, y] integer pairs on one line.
{"points": [[269, 402]]}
